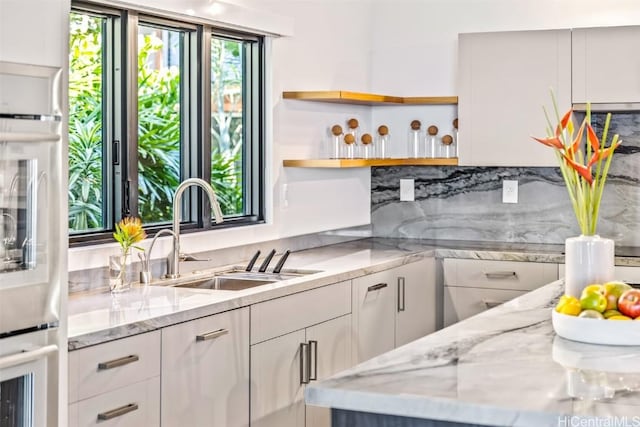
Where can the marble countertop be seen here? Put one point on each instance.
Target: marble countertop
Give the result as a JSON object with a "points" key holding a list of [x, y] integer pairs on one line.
{"points": [[95, 318], [504, 367]]}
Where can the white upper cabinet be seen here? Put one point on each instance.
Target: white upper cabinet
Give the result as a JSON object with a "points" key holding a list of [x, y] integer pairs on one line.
{"points": [[504, 80], [606, 65]]}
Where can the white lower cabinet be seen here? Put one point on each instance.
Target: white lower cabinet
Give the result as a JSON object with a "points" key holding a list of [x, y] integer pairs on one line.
{"points": [[131, 406], [313, 344], [116, 383], [393, 307], [473, 286], [205, 371]]}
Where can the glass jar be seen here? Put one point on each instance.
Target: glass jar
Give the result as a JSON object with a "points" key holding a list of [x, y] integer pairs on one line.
{"points": [[447, 149], [455, 137], [335, 142], [382, 142], [366, 149], [352, 129], [432, 147], [348, 147], [414, 144]]}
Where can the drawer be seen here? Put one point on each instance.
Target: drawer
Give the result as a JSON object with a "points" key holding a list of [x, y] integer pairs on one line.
{"points": [[132, 406], [280, 316], [460, 303], [513, 275], [105, 367]]}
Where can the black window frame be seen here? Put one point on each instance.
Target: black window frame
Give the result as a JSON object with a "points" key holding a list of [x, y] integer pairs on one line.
{"points": [[120, 198]]}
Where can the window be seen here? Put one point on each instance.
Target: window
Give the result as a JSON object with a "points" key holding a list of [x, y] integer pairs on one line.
{"points": [[154, 101]]}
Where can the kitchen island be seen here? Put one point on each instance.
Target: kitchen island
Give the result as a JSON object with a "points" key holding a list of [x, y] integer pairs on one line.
{"points": [[503, 367]]}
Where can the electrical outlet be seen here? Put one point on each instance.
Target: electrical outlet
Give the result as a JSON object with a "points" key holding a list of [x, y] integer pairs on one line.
{"points": [[509, 191], [407, 191], [284, 196]]}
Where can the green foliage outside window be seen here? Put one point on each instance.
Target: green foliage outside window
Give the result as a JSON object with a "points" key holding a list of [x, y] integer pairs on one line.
{"points": [[158, 129]]}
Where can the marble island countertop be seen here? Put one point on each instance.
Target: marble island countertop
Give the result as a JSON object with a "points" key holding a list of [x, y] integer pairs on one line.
{"points": [[503, 367], [95, 318]]}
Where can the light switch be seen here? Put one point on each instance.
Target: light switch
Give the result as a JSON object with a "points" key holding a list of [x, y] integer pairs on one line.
{"points": [[509, 191], [407, 192]]}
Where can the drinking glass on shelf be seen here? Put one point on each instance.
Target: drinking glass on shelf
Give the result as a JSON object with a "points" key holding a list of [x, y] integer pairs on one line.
{"points": [[414, 141]]}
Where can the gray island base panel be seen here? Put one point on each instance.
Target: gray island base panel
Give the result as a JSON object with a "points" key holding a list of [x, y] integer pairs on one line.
{"points": [[342, 418], [503, 367]]}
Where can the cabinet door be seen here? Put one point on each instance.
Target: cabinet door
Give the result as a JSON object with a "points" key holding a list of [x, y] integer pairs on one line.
{"points": [[374, 311], [461, 303], [276, 388], [504, 81], [416, 301], [606, 64], [333, 349], [205, 371]]}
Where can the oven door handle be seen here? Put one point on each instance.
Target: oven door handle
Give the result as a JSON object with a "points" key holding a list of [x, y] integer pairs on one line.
{"points": [[26, 356]]}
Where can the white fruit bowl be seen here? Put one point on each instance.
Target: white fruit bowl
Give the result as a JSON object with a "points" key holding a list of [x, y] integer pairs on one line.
{"points": [[596, 331]]}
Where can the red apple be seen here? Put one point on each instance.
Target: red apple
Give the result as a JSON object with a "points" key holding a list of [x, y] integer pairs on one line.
{"points": [[629, 303]]}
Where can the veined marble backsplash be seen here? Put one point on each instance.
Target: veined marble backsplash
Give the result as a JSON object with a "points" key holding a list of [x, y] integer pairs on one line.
{"points": [[465, 203]]}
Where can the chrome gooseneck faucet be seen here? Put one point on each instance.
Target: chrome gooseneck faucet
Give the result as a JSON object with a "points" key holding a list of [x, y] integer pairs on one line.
{"points": [[173, 270]]}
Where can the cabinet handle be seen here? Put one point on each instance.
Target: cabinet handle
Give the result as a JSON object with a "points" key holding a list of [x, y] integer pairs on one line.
{"points": [[118, 362], [501, 274], [376, 287], [313, 360], [212, 335], [108, 415], [305, 367], [401, 294], [491, 304]]}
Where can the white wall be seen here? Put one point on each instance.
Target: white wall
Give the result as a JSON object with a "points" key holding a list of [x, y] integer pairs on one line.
{"points": [[329, 50], [415, 44]]}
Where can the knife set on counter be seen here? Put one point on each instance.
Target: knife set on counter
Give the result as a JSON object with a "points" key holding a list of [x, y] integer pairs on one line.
{"points": [[265, 264]]}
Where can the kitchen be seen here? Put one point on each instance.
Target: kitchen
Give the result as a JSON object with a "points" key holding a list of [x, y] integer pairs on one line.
{"points": [[404, 51]]}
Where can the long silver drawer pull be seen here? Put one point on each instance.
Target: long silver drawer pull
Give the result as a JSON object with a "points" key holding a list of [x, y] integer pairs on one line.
{"points": [[313, 360], [376, 287], [491, 304], [108, 415], [500, 274], [212, 335], [118, 362], [401, 281], [305, 367]]}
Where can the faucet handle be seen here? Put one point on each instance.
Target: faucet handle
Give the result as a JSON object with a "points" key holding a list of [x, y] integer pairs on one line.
{"points": [[189, 257]]}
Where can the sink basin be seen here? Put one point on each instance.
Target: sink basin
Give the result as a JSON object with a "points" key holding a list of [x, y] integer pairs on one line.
{"points": [[225, 283], [234, 279]]}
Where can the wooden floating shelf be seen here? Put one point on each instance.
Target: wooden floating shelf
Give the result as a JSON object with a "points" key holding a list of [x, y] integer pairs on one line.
{"points": [[363, 163], [345, 97]]}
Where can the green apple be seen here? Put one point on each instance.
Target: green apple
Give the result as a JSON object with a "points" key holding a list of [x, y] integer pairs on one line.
{"points": [[612, 292], [594, 301]]}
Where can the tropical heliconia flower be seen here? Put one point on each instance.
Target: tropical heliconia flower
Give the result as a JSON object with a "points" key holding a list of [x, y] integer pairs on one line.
{"points": [[128, 232], [584, 165]]}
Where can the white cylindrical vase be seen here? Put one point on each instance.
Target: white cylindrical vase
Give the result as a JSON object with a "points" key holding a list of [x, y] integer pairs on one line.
{"points": [[588, 260]]}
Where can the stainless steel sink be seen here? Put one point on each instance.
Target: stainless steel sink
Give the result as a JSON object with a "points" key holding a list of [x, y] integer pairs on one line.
{"points": [[235, 279], [224, 283]]}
